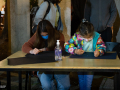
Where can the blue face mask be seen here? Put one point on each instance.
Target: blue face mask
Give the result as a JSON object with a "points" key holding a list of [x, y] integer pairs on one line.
{"points": [[45, 37]]}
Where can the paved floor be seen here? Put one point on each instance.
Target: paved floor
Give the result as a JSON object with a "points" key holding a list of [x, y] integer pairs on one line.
{"points": [[99, 82]]}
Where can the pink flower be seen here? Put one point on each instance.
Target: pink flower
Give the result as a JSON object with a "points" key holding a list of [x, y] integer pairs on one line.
{"points": [[70, 50]]}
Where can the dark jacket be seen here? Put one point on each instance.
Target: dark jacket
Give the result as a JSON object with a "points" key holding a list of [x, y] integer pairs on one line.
{"points": [[101, 13]]}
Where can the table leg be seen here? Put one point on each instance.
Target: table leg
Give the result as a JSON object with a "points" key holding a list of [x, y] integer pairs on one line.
{"points": [[29, 85], [20, 80], [117, 81], [8, 81], [26, 80]]}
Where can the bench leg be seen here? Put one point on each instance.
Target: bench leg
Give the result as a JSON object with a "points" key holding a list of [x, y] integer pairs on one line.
{"points": [[8, 81], [29, 85], [26, 80], [20, 80]]}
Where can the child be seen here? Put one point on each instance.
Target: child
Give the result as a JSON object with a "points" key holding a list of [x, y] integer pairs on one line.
{"points": [[86, 40], [44, 39]]}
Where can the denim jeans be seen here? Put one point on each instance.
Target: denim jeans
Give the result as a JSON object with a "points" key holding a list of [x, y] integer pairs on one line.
{"points": [[47, 81], [85, 80]]}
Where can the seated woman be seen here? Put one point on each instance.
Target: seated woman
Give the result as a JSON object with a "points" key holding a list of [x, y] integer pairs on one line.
{"points": [[45, 40]]}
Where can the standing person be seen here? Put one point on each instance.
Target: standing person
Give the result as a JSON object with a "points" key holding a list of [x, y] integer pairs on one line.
{"points": [[45, 40], [102, 14], [86, 40], [54, 15]]}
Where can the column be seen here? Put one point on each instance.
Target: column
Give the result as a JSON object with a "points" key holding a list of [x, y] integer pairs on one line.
{"points": [[65, 6], [19, 23]]}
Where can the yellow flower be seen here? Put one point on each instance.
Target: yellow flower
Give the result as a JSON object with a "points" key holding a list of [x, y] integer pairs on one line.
{"points": [[82, 42], [71, 45]]}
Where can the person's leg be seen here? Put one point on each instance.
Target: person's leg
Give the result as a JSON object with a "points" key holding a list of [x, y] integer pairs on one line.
{"points": [[109, 34], [103, 35], [88, 80], [85, 80], [81, 80], [63, 81], [106, 34], [47, 81]]}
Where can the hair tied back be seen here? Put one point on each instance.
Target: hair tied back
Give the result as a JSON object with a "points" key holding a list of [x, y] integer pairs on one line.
{"points": [[84, 20]]}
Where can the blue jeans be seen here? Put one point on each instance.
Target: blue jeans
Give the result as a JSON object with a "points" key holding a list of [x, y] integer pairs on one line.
{"points": [[85, 80], [47, 81]]}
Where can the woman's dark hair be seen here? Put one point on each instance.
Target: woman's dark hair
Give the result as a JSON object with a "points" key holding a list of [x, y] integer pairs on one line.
{"points": [[54, 1], [53, 35], [86, 28]]}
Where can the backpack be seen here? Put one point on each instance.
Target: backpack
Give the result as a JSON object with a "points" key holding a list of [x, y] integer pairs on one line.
{"points": [[33, 13]]}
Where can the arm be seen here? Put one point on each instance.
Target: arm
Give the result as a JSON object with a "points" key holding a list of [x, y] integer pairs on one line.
{"points": [[70, 45], [100, 46], [113, 14], [27, 46], [87, 11], [40, 13]]}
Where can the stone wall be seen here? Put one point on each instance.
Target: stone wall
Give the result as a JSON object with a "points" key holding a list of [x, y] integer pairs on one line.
{"points": [[20, 23], [39, 2], [66, 17]]}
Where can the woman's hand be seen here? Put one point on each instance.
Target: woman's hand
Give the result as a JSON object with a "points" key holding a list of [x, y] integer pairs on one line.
{"points": [[79, 51], [35, 51], [42, 49], [96, 53]]}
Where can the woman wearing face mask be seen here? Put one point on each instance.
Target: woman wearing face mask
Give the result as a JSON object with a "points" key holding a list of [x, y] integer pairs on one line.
{"points": [[45, 40], [86, 40]]}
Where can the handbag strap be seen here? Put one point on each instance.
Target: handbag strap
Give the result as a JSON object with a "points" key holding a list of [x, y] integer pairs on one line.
{"points": [[48, 9]]}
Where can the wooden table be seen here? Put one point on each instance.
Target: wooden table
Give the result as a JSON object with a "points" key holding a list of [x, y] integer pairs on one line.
{"points": [[67, 64]]}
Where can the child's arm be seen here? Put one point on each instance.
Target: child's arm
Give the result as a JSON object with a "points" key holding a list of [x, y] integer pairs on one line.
{"points": [[70, 45], [100, 46]]}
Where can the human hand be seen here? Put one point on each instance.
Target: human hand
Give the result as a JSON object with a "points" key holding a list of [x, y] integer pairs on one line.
{"points": [[42, 49], [79, 51], [96, 53], [36, 51]]}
